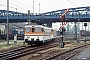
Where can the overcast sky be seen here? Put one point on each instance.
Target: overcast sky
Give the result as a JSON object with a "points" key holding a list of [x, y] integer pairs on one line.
{"points": [[45, 5]]}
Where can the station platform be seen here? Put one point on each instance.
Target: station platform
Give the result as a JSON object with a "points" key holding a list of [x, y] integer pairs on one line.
{"points": [[85, 55]]}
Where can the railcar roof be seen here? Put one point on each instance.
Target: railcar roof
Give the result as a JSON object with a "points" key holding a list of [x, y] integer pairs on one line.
{"points": [[38, 26], [34, 25]]}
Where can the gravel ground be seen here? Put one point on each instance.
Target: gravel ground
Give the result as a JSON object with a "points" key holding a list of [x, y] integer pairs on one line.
{"points": [[46, 53]]}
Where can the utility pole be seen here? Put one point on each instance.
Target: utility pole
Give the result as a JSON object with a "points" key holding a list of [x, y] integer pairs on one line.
{"points": [[33, 7], [75, 23], [39, 8], [78, 41], [68, 29], [82, 25], [75, 31], [88, 26], [7, 21], [28, 17]]}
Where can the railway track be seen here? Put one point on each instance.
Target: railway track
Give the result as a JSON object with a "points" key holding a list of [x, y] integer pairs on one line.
{"points": [[13, 54], [67, 55], [17, 53]]}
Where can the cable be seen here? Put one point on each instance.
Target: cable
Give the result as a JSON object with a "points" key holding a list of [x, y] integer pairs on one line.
{"points": [[25, 5], [18, 7], [21, 9], [6, 6], [3, 5], [22, 4], [72, 3], [13, 7]]}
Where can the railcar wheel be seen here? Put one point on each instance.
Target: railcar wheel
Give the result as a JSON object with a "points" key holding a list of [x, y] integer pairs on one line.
{"points": [[31, 44]]}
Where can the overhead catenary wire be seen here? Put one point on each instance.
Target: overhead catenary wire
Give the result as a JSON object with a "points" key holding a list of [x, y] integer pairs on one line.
{"points": [[10, 7], [20, 4], [19, 8], [72, 3], [77, 35], [26, 5]]}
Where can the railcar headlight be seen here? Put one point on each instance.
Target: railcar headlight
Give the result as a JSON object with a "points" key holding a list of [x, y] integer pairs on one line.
{"points": [[38, 37], [28, 37]]}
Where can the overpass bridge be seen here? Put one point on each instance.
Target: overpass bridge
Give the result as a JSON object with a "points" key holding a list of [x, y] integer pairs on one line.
{"points": [[81, 13]]}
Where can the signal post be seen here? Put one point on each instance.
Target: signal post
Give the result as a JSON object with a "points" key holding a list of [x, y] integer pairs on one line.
{"points": [[62, 28]]}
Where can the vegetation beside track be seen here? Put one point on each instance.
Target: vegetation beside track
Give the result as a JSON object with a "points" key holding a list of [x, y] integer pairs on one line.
{"points": [[12, 45]]}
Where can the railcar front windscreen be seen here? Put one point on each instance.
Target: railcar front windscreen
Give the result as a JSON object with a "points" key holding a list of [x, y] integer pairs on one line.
{"points": [[27, 29], [38, 29]]}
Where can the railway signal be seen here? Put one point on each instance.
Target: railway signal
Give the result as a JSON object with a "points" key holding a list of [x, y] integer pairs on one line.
{"points": [[85, 24], [62, 27]]}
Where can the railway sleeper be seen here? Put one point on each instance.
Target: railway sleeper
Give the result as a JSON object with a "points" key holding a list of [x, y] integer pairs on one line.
{"points": [[70, 54], [9, 55], [73, 54], [12, 55], [66, 55]]}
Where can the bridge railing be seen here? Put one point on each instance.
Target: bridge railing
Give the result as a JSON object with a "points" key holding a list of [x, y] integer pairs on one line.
{"points": [[84, 12]]}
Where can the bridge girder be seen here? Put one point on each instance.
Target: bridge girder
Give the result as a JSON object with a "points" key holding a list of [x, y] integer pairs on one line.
{"points": [[53, 16]]}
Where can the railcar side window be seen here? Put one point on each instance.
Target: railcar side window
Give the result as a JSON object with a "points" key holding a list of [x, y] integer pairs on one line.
{"points": [[27, 29], [38, 29]]}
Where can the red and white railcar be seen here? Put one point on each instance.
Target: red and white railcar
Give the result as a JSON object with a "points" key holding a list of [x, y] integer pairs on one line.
{"points": [[36, 34]]}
